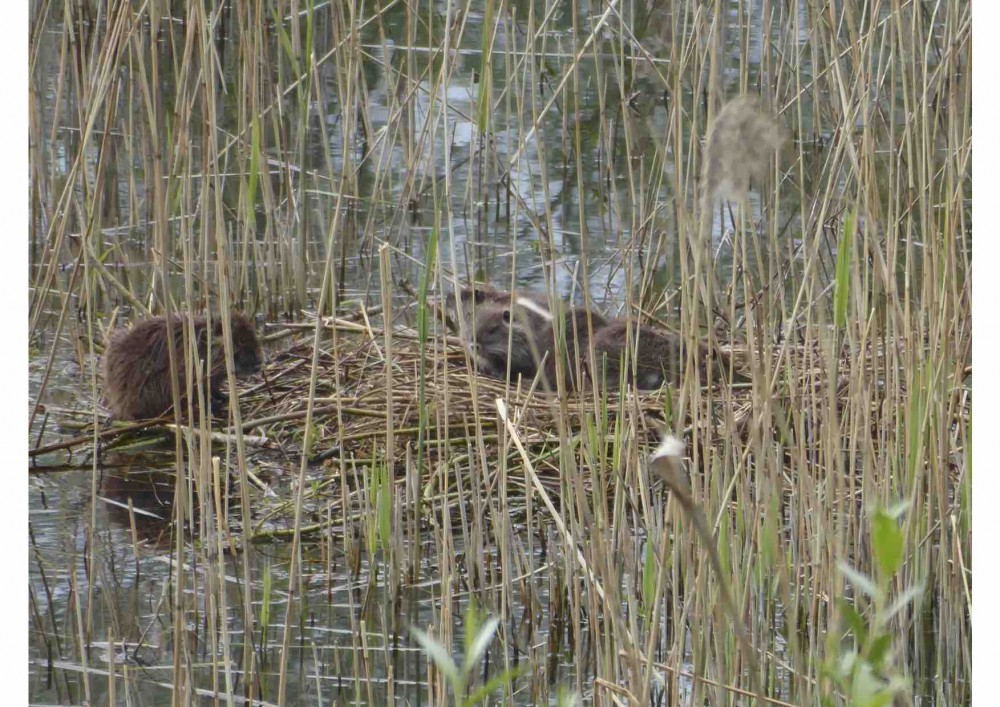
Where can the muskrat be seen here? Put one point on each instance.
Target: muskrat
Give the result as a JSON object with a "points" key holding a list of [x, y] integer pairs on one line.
{"points": [[578, 339], [529, 330], [137, 362], [660, 355]]}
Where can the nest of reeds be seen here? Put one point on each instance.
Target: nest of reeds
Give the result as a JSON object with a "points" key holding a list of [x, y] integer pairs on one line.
{"points": [[364, 386]]}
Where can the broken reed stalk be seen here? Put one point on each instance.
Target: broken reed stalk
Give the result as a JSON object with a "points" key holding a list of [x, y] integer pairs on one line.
{"points": [[665, 462]]}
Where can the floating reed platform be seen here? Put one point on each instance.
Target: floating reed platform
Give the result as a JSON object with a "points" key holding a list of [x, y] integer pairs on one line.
{"points": [[448, 432]]}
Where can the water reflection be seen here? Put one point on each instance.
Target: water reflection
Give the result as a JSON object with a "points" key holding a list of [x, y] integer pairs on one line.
{"points": [[141, 501]]}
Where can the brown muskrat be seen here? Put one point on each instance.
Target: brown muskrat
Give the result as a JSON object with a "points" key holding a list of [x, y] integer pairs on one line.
{"points": [[660, 355], [659, 358], [523, 335], [137, 362]]}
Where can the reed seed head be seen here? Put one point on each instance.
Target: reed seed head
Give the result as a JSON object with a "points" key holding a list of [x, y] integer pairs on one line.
{"points": [[741, 144]]}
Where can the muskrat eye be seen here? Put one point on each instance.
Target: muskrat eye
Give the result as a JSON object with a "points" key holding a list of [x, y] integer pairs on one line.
{"points": [[506, 316]]}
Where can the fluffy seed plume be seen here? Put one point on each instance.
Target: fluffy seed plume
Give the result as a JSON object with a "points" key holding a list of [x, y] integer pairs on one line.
{"points": [[669, 447], [740, 146], [665, 462]]}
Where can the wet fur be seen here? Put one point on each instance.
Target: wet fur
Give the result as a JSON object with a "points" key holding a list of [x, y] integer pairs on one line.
{"points": [[472, 297], [137, 381], [510, 334]]}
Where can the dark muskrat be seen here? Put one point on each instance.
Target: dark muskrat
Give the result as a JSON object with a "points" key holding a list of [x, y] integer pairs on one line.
{"points": [[523, 333], [660, 355], [137, 362]]}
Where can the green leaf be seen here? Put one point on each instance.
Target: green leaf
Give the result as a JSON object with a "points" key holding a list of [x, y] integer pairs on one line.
{"points": [[481, 642], [915, 422], [485, 69], [438, 654], [887, 543], [855, 622], [847, 662], [882, 698], [472, 619], [860, 581], [879, 650], [865, 686], [251, 201], [265, 604], [495, 682], [383, 505], [566, 697], [769, 535], [310, 32], [842, 283], [723, 546], [648, 580], [310, 436], [285, 40], [423, 312]]}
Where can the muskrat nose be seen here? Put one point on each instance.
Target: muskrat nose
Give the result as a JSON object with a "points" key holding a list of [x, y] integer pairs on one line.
{"points": [[245, 365]]}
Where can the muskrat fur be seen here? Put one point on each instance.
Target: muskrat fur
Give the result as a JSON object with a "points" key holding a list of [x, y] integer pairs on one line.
{"points": [[137, 380], [660, 355], [514, 335]]}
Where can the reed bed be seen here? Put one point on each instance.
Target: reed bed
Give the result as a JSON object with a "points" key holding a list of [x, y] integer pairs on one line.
{"points": [[374, 522]]}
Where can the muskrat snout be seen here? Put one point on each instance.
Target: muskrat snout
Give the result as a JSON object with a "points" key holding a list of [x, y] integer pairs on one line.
{"points": [[247, 363]]}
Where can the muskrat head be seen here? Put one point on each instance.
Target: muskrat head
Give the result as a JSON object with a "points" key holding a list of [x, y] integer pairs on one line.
{"points": [[497, 338], [247, 353], [471, 297], [481, 293]]}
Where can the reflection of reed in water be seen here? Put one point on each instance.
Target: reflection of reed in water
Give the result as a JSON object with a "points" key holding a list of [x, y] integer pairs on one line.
{"points": [[151, 493]]}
